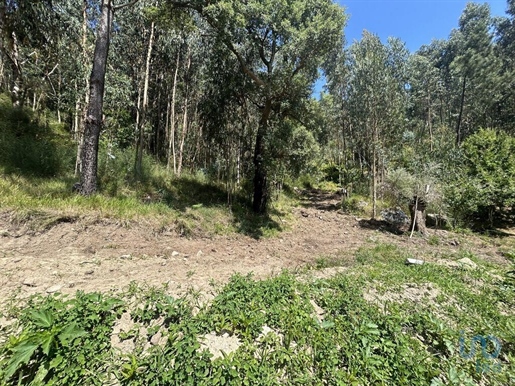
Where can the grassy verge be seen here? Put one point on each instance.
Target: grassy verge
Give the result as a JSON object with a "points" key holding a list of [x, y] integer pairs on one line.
{"points": [[379, 323], [190, 205]]}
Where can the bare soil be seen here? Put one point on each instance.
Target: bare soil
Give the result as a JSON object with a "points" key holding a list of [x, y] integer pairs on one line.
{"points": [[102, 255]]}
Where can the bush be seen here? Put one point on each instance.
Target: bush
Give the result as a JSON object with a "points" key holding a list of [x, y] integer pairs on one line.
{"points": [[401, 186], [487, 182]]}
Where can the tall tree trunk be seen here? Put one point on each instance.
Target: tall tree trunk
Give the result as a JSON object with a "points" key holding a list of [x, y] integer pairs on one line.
{"points": [[12, 53], [185, 117], [93, 121], [171, 138], [141, 141], [460, 115], [76, 115], [374, 183], [430, 121], [9, 49], [80, 128], [183, 137], [260, 175], [374, 168]]}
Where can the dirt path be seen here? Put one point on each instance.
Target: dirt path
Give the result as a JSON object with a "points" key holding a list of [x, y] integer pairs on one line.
{"points": [[99, 256]]}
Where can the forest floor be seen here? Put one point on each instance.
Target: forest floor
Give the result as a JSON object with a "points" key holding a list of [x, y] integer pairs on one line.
{"points": [[81, 253]]}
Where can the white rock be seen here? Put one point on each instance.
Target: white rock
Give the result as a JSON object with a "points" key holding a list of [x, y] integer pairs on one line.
{"points": [[54, 288], [29, 282], [414, 261]]}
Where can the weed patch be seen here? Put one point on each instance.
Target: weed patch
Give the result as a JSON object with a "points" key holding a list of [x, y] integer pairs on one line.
{"points": [[379, 322]]}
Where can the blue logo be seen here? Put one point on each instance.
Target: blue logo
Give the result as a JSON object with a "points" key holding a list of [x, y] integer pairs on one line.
{"points": [[488, 352]]}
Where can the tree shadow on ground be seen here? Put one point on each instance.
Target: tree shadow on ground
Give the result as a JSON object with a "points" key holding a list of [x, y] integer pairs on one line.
{"points": [[185, 193], [321, 199], [382, 226]]}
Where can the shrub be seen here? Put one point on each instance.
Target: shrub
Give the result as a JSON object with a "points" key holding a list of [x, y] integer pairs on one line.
{"points": [[487, 183]]}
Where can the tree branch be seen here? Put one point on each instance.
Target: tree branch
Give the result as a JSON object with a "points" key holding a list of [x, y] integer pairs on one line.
{"points": [[246, 70]]}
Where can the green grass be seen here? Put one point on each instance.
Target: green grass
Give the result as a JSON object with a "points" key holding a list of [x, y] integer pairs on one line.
{"points": [[191, 205], [37, 159], [401, 341]]}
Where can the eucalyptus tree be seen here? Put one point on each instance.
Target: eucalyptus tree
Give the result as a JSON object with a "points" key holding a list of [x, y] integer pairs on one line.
{"points": [[279, 46], [28, 37], [425, 89], [228, 115], [376, 101]]}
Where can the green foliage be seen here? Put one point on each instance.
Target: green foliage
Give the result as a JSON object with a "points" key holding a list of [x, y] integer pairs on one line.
{"points": [[487, 184], [387, 253], [60, 341], [29, 148], [382, 322], [294, 150], [401, 186], [356, 204]]}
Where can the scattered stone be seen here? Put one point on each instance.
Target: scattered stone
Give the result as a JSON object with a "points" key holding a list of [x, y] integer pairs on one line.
{"points": [[267, 330], [123, 324], [175, 253], [414, 261], [17, 260], [455, 243], [199, 253], [126, 257], [467, 263], [448, 263], [54, 288], [304, 214], [29, 282], [436, 220], [89, 272], [71, 284], [158, 339]]}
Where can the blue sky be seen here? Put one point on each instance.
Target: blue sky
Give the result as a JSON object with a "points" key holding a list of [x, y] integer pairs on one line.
{"points": [[416, 22]]}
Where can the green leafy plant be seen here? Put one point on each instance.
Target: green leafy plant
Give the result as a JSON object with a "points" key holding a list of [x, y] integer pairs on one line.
{"points": [[60, 340]]}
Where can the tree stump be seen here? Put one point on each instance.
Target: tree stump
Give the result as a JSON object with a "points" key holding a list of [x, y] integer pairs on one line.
{"points": [[417, 210]]}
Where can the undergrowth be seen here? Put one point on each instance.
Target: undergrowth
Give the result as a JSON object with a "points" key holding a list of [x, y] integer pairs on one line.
{"points": [[283, 337], [37, 162]]}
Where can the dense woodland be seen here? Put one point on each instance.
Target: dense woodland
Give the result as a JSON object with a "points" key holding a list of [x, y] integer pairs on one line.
{"points": [[224, 89]]}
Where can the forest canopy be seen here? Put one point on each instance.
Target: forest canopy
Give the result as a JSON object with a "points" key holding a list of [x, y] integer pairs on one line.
{"points": [[224, 89]]}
